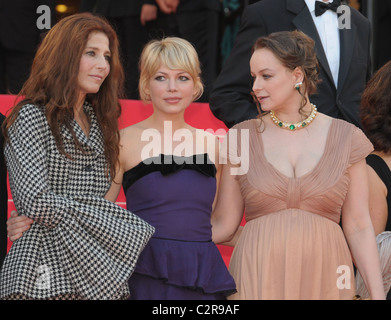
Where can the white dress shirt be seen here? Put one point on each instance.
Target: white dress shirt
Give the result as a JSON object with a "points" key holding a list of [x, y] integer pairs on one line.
{"points": [[327, 26]]}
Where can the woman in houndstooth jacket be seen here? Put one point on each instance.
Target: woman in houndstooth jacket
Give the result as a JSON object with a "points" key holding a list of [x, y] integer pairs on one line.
{"points": [[61, 150]]}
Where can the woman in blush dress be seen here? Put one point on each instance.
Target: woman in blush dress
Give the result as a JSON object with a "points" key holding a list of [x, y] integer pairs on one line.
{"points": [[306, 172]]}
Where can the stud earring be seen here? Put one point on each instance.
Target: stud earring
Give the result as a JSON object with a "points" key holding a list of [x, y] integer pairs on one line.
{"points": [[297, 85]]}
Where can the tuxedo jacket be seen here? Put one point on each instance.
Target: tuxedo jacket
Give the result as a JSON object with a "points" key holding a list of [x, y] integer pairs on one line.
{"points": [[231, 100]]}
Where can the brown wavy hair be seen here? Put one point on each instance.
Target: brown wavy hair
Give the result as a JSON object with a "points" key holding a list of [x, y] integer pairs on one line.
{"points": [[293, 49], [53, 82], [375, 109]]}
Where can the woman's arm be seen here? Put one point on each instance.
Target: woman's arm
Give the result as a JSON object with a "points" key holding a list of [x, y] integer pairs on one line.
{"points": [[358, 229], [232, 241], [27, 155], [213, 150], [115, 188], [36, 194], [228, 211], [116, 184], [17, 224]]}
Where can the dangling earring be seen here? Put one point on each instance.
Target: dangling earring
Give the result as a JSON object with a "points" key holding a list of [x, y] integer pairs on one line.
{"points": [[297, 85]]}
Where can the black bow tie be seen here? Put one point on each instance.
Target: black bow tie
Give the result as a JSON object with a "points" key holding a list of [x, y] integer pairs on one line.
{"points": [[321, 7]]}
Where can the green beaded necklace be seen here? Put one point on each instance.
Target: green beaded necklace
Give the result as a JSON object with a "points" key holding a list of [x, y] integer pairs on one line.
{"points": [[294, 126]]}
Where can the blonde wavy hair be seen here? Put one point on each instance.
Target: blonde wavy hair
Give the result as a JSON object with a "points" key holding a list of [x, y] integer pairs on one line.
{"points": [[174, 53]]}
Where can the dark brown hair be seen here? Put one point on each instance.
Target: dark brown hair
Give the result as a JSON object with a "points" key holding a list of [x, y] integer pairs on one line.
{"points": [[53, 82], [375, 109], [293, 49]]}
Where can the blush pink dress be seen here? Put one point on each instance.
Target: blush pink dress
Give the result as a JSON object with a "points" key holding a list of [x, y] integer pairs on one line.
{"points": [[292, 245]]}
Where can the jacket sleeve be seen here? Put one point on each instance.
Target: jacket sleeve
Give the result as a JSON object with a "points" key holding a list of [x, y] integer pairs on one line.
{"points": [[26, 158], [231, 99]]}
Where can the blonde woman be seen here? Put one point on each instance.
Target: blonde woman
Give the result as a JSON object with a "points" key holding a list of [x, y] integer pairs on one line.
{"points": [[168, 172]]}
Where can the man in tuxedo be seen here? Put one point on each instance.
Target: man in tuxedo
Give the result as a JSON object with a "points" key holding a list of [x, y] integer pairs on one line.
{"points": [[343, 55], [3, 199]]}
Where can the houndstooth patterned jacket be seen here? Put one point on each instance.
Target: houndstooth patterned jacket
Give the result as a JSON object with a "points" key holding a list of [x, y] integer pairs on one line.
{"points": [[80, 245]]}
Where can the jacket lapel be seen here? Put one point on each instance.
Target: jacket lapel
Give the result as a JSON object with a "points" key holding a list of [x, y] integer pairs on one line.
{"points": [[303, 22], [347, 37], [95, 139]]}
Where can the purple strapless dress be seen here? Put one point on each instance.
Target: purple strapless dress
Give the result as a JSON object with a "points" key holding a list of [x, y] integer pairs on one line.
{"points": [[180, 262]]}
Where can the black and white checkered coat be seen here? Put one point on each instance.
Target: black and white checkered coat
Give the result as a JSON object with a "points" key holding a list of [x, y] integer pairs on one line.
{"points": [[80, 245]]}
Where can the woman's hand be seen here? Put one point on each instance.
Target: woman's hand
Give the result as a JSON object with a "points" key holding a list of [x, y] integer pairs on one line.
{"points": [[16, 225]]}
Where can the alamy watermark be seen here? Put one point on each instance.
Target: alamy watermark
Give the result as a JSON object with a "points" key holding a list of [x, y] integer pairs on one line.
{"points": [[44, 279], [344, 280], [190, 143], [344, 17], [44, 21]]}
